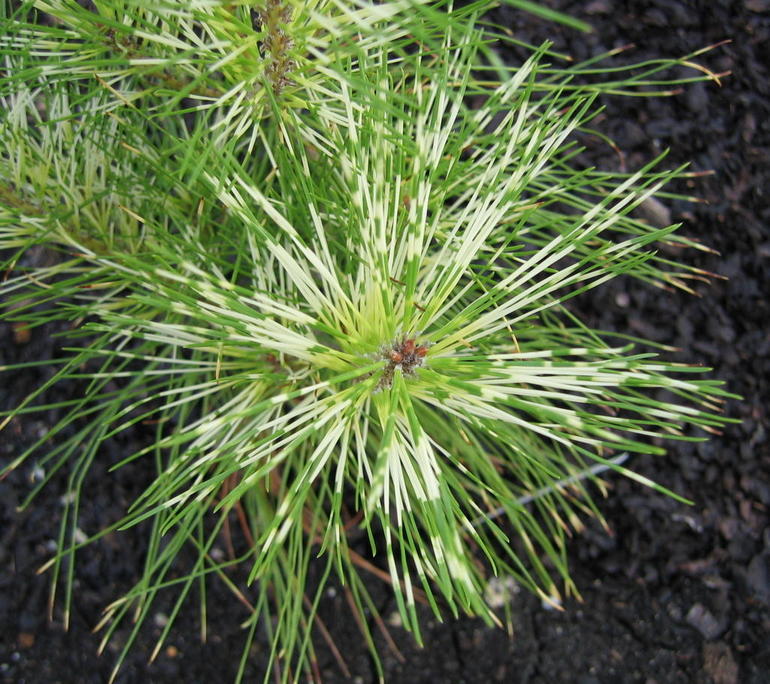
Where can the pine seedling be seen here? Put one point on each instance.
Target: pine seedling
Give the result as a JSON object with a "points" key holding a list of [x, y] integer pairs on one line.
{"points": [[326, 249]]}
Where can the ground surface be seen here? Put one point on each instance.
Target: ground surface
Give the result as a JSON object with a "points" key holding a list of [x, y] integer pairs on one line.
{"points": [[677, 593]]}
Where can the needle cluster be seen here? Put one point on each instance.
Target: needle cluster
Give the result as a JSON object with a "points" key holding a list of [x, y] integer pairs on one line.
{"points": [[227, 210]]}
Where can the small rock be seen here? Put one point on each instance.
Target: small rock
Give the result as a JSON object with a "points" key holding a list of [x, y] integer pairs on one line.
{"points": [[760, 488], [21, 333], [758, 577], [757, 5], [704, 621], [622, 299], [680, 14], [674, 611], [655, 212], [741, 548], [656, 17], [729, 527], [632, 134], [749, 127], [500, 590], [719, 664], [697, 98], [395, 620], [598, 7], [26, 640]]}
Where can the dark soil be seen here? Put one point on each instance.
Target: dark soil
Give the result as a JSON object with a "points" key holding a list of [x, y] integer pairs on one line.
{"points": [[675, 593]]}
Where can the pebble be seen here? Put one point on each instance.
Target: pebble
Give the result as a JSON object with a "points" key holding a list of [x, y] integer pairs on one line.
{"points": [[678, 12], [598, 7], [656, 17], [655, 212], [697, 98], [758, 576], [26, 640], [757, 5], [741, 548], [632, 133], [702, 619], [719, 663], [729, 527]]}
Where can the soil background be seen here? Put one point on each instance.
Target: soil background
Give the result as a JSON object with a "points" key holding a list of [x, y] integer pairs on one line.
{"points": [[675, 593]]}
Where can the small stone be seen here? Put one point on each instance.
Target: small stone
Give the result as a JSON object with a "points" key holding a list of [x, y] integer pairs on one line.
{"points": [[656, 17], [26, 640], [622, 300], [395, 620], [500, 590], [757, 5], [704, 621], [697, 98], [655, 212], [598, 7], [21, 333], [758, 577], [719, 664], [551, 603], [632, 134], [741, 548]]}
